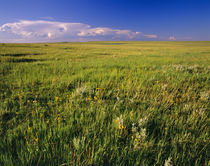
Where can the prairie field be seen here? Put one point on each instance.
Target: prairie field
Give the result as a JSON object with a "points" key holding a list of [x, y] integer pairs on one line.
{"points": [[105, 103]]}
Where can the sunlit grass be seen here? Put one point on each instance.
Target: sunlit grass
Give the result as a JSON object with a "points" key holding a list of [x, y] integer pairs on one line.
{"points": [[104, 103]]}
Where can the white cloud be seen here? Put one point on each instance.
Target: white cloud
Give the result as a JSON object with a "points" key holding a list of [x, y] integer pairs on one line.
{"points": [[172, 38], [101, 31], [45, 31], [151, 36], [49, 35]]}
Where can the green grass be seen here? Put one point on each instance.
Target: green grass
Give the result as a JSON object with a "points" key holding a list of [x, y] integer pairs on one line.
{"points": [[105, 103]]}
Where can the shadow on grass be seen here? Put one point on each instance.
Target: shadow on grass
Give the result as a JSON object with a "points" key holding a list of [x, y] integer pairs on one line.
{"points": [[112, 43], [68, 48], [19, 54], [24, 60]]}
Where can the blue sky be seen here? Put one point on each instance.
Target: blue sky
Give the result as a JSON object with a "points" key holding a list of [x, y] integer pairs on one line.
{"points": [[92, 20]]}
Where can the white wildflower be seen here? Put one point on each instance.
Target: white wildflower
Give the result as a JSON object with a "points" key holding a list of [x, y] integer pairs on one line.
{"points": [[134, 129], [200, 112], [138, 135], [142, 121], [168, 162], [164, 86], [186, 107], [120, 120], [143, 133], [82, 91], [179, 67], [204, 96]]}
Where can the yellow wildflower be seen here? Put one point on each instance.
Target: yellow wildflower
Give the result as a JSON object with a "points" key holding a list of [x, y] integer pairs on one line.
{"points": [[37, 139], [89, 98], [56, 98], [58, 117], [166, 129], [100, 88], [95, 98], [121, 127]]}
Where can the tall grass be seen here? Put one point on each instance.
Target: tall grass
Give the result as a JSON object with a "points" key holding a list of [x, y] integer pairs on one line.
{"points": [[105, 103]]}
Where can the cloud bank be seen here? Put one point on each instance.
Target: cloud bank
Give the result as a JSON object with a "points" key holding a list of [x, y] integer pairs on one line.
{"points": [[52, 31]]}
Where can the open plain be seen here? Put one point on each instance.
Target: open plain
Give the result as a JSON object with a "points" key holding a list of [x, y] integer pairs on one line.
{"points": [[105, 103]]}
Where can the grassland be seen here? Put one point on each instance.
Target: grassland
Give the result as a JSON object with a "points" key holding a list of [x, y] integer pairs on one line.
{"points": [[105, 103]]}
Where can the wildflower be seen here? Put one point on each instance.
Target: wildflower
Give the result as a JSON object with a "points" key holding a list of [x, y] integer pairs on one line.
{"points": [[164, 86], [186, 107], [121, 127], [166, 131], [34, 101], [204, 96], [139, 138], [58, 117], [143, 133], [142, 121], [82, 91], [134, 129], [95, 98], [132, 137], [179, 67], [37, 139], [99, 88], [168, 162], [20, 96], [56, 98], [89, 98], [200, 111], [119, 120]]}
